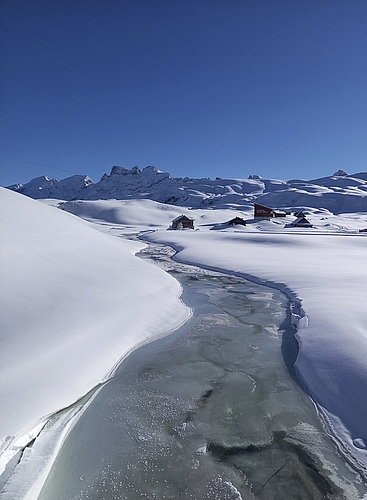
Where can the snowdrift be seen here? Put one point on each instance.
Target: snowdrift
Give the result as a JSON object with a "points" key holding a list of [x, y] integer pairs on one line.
{"points": [[73, 301]]}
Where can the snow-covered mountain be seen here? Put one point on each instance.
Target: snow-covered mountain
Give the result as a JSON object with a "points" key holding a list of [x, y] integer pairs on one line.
{"points": [[339, 193]]}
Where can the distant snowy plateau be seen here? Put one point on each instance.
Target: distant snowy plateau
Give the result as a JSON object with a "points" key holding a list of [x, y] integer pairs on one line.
{"points": [[339, 193], [75, 299]]}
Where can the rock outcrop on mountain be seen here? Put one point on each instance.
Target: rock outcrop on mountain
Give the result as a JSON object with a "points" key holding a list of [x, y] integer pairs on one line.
{"points": [[338, 193]]}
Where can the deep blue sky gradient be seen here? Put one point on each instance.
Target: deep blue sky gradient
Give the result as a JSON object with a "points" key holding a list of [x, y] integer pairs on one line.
{"points": [[200, 88]]}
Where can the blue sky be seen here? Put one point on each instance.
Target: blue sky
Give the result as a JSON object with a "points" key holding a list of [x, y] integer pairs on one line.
{"points": [[199, 88]]}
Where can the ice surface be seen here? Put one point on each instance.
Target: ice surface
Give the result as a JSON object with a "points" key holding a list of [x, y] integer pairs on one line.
{"points": [[327, 274], [210, 412]]}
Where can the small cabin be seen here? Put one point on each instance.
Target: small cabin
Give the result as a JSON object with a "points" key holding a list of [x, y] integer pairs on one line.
{"points": [[236, 221], [282, 214], [301, 222], [183, 222]]}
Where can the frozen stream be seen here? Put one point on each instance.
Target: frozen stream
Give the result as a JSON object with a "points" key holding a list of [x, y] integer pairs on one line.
{"points": [[209, 412]]}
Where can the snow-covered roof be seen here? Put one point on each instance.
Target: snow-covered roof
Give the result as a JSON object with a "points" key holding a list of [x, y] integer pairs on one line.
{"points": [[180, 217], [301, 221]]}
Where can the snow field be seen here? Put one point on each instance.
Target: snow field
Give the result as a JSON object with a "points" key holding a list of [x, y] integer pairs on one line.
{"points": [[73, 301]]}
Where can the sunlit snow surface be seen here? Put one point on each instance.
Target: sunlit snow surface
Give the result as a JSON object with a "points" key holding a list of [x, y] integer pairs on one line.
{"points": [[73, 302], [68, 291]]}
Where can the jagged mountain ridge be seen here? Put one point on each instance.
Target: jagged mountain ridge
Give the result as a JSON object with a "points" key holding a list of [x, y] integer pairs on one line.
{"points": [[338, 193]]}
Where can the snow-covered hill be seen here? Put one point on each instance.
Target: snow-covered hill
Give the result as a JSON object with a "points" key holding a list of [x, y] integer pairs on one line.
{"points": [[339, 193], [73, 301]]}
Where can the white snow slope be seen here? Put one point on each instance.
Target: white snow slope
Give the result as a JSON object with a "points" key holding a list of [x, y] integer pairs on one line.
{"points": [[73, 301]]}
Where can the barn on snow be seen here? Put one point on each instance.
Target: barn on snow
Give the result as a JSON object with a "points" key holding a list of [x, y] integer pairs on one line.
{"points": [[183, 222], [236, 221], [263, 211]]}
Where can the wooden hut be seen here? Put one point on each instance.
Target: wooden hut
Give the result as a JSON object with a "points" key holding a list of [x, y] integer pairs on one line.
{"points": [[183, 222], [236, 221], [301, 222], [282, 213]]}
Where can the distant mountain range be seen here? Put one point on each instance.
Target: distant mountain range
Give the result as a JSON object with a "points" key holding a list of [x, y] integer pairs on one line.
{"points": [[339, 193]]}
